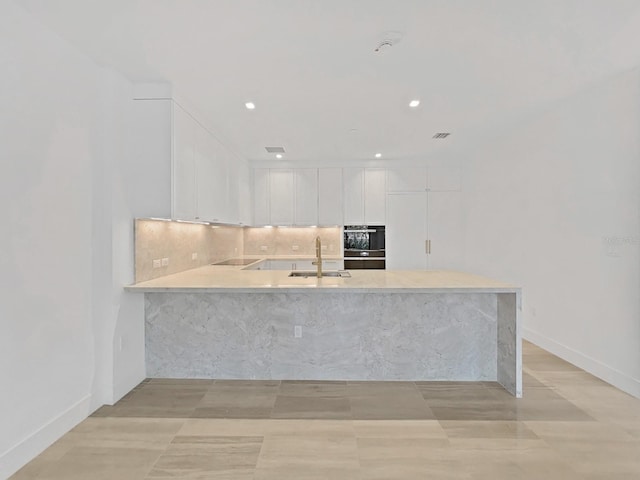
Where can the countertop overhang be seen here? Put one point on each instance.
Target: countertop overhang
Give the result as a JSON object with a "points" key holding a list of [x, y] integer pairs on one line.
{"points": [[233, 279]]}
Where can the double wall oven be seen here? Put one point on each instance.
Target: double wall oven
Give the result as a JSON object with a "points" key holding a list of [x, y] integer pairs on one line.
{"points": [[364, 247]]}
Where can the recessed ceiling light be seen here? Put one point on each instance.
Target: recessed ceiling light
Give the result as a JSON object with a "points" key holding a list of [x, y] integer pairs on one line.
{"points": [[279, 155], [250, 105], [414, 103], [378, 155]]}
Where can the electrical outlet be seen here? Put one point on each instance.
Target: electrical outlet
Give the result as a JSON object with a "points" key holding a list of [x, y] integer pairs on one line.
{"points": [[295, 248], [297, 331], [194, 256], [157, 263], [165, 262], [263, 248]]}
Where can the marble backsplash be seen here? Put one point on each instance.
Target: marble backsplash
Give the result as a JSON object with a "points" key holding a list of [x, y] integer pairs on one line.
{"points": [[178, 242], [292, 241]]}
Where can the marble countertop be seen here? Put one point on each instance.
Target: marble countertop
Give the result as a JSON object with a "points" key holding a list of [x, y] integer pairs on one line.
{"points": [[220, 278]]}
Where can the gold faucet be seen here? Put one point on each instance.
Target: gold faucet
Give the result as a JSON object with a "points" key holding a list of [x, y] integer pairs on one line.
{"points": [[318, 261]]}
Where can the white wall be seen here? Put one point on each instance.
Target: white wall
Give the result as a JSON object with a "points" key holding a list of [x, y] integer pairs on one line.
{"points": [[553, 206], [67, 199]]}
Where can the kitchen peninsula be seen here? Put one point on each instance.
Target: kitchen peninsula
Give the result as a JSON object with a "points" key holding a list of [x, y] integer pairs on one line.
{"points": [[230, 322]]}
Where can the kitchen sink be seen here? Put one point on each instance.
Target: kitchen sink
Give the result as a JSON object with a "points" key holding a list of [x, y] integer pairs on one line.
{"points": [[340, 273]]}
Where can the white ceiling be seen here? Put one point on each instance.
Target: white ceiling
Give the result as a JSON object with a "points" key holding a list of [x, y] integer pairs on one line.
{"points": [[322, 92]]}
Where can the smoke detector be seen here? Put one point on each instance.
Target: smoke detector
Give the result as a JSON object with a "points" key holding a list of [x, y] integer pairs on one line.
{"points": [[387, 40]]}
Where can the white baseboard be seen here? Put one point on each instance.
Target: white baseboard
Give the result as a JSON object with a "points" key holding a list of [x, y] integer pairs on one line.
{"points": [[24, 451], [610, 375]]}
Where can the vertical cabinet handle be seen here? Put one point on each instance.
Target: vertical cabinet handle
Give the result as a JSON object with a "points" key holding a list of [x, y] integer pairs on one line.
{"points": [[427, 247]]}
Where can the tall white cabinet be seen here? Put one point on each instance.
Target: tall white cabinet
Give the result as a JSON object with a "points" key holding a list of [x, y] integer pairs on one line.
{"points": [[424, 219]]}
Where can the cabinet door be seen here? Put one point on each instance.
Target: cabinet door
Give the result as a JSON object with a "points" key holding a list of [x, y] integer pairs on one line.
{"points": [[333, 265], [211, 178], [282, 265], [245, 192], [306, 196], [261, 196], [375, 196], [406, 231], [353, 182], [445, 231], [281, 190], [407, 179], [330, 196], [183, 178], [233, 189], [304, 265]]}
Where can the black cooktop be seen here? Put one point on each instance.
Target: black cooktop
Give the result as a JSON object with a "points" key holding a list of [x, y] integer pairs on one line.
{"points": [[237, 261]]}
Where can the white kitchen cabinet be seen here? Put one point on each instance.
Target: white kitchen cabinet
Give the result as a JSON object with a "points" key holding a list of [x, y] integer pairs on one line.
{"points": [[375, 196], [406, 231], [211, 178], [282, 264], [407, 179], [353, 191], [261, 207], [304, 265], [445, 230], [281, 195], [415, 218], [333, 265], [203, 185], [245, 192], [233, 189], [306, 196], [330, 196], [364, 196], [184, 189]]}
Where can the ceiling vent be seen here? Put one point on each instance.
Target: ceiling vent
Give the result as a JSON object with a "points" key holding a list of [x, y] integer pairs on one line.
{"points": [[274, 149], [441, 135]]}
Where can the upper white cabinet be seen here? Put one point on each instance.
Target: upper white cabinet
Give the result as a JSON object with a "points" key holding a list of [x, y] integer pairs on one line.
{"points": [[211, 178], [306, 196], [261, 207], [184, 196], [375, 196], [281, 195], [245, 192], [353, 183], [206, 176], [330, 196], [407, 179], [285, 196], [364, 196]]}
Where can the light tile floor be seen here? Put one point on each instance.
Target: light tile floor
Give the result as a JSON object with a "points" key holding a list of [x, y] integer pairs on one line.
{"points": [[569, 425]]}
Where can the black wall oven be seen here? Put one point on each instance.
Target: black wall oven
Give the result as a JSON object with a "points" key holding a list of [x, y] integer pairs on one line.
{"points": [[364, 247]]}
